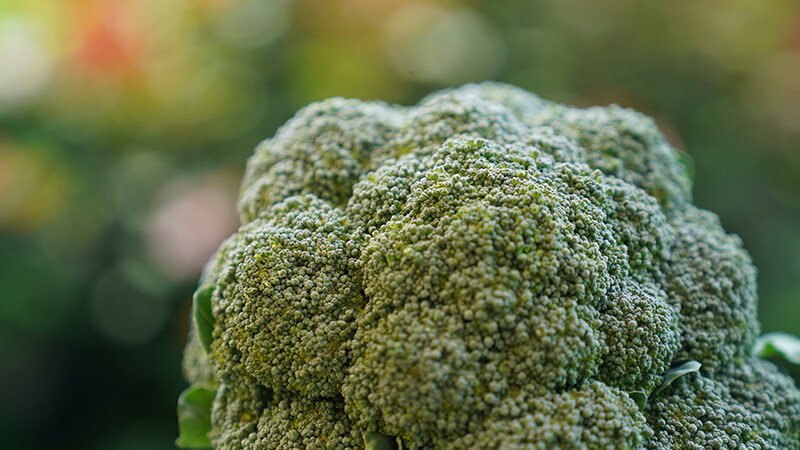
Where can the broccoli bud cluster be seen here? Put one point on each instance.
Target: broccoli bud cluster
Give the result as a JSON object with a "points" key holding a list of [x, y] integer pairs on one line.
{"points": [[486, 269]]}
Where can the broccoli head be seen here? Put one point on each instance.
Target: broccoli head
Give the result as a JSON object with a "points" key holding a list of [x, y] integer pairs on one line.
{"points": [[486, 269]]}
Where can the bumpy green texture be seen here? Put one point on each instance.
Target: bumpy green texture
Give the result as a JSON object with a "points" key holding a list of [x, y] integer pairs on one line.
{"points": [[484, 270]]}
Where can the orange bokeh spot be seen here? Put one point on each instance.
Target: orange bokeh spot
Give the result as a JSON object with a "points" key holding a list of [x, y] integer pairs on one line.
{"points": [[110, 37]]}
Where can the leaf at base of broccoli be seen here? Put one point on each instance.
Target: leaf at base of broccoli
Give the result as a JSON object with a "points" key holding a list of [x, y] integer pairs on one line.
{"points": [[194, 417], [203, 320], [779, 344]]}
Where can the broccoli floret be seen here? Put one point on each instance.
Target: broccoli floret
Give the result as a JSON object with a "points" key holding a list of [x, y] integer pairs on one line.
{"points": [[323, 150], [487, 269], [278, 422], [711, 278], [641, 336], [592, 415], [285, 301], [620, 142], [750, 405]]}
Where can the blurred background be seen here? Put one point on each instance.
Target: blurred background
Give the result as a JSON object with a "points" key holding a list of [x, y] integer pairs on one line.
{"points": [[125, 125]]}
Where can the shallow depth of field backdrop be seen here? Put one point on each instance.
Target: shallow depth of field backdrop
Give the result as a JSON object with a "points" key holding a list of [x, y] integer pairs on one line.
{"points": [[125, 125]]}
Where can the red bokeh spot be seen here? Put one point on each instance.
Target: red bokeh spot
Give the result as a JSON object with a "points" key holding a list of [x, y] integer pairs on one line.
{"points": [[110, 37]]}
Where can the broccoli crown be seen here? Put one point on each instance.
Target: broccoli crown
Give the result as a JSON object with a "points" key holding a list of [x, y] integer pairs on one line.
{"points": [[486, 269]]}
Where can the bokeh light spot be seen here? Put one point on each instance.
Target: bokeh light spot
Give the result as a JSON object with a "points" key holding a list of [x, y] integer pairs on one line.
{"points": [[252, 23], [122, 313], [33, 190], [426, 42], [188, 224], [25, 65]]}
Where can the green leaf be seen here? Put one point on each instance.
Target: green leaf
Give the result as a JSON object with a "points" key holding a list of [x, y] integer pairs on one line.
{"points": [[375, 441], [640, 397], [688, 163], [779, 344], [680, 369], [194, 417], [203, 320]]}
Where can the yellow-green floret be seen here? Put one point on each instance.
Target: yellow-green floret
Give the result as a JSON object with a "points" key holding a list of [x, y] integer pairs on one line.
{"points": [[486, 269]]}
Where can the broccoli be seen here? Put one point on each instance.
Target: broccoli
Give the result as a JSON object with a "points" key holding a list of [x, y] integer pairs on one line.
{"points": [[486, 269]]}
